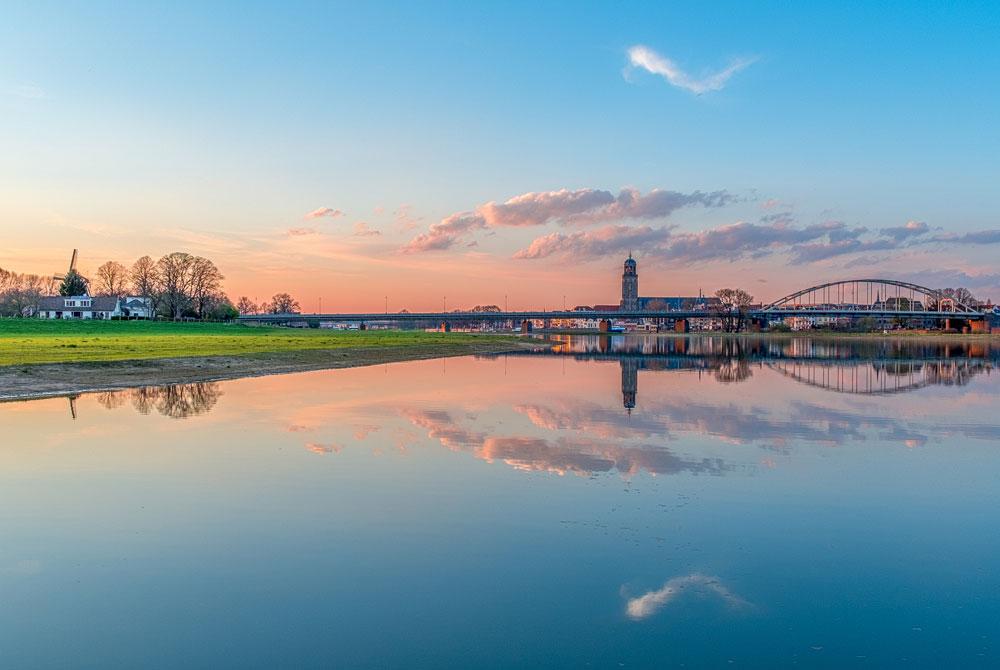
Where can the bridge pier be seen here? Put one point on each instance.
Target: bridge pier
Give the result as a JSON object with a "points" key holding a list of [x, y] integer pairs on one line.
{"points": [[981, 327], [604, 326], [682, 326], [362, 326], [445, 327], [526, 326]]}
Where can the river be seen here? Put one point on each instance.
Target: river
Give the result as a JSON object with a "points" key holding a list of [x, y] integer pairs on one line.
{"points": [[621, 501]]}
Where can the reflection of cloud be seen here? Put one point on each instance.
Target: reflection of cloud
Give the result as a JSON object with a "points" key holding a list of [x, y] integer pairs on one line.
{"points": [[649, 603], [321, 449], [364, 430], [580, 456]]}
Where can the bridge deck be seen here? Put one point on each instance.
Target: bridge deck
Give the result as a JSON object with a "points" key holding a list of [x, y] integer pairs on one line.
{"points": [[439, 317]]}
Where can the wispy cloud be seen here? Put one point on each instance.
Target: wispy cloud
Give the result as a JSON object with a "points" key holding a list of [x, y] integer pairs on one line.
{"points": [[28, 91], [299, 232], [564, 207], [640, 56], [361, 229], [909, 229], [324, 211]]}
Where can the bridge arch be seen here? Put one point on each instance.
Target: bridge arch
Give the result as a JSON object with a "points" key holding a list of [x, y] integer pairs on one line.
{"points": [[883, 294]]}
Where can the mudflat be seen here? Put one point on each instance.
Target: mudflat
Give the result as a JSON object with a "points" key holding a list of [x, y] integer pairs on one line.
{"points": [[52, 379]]}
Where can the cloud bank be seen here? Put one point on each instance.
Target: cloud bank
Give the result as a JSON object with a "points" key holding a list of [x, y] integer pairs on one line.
{"points": [[773, 234], [643, 57]]}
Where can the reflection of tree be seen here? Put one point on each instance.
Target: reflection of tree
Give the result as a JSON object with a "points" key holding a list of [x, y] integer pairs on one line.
{"points": [[733, 370], [178, 401], [183, 400], [112, 399]]}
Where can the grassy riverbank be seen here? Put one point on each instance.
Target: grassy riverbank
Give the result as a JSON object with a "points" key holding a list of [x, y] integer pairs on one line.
{"points": [[43, 358], [34, 341]]}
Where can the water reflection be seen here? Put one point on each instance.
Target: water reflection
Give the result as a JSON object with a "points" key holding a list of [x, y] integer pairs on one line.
{"points": [[651, 602], [178, 401], [696, 399], [576, 455], [752, 514]]}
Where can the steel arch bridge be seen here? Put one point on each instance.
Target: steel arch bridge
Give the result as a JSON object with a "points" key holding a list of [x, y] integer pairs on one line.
{"points": [[879, 295], [850, 298]]}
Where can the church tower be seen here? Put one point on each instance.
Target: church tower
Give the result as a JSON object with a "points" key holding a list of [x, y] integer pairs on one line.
{"points": [[630, 286]]}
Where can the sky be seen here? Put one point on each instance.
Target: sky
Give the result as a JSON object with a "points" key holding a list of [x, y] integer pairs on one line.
{"points": [[373, 155]]}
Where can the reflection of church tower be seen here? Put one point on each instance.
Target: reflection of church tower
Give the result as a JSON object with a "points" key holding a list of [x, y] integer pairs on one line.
{"points": [[630, 285], [630, 381]]}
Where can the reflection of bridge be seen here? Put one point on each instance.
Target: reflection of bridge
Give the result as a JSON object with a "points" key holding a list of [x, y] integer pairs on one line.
{"points": [[881, 377], [863, 367], [856, 298]]}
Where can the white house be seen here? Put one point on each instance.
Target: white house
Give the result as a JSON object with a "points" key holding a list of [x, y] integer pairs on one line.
{"points": [[88, 307]]}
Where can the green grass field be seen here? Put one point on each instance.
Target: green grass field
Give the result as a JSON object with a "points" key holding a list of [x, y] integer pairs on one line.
{"points": [[30, 341]]}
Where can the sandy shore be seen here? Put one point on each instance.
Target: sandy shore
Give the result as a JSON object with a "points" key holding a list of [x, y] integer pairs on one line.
{"points": [[22, 382]]}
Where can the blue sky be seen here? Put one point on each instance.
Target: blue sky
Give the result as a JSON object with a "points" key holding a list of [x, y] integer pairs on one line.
{"points": [[145, 128]]}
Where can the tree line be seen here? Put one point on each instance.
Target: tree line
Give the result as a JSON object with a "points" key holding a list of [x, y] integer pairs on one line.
{"points": [[19, 293], [280, 303], [180, 285]]}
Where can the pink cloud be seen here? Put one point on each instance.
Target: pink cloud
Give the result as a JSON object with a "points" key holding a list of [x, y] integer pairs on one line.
{"points": [[299, 232], [324, 211], [361, 229], [564, 207]]}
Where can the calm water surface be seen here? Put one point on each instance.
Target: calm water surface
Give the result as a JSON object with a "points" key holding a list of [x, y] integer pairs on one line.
{"points": [[624, 502]]}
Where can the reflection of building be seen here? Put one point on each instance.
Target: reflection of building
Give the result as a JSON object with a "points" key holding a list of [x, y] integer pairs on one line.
{"points": [[630, 381]]}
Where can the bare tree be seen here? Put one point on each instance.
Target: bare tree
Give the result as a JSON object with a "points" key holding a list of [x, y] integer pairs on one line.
{"points": [[962, 295], [733, 306], [173, 284], [283, 303], [19, 293], [143, 277], [205, 284], [246, 306], [112, 279]]}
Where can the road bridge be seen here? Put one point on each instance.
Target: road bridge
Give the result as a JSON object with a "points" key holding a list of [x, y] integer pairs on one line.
{"points": [[856, 298]]}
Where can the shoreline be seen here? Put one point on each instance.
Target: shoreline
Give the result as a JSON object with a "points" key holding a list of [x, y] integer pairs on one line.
{"points": [[815, 334], [48, 380]]}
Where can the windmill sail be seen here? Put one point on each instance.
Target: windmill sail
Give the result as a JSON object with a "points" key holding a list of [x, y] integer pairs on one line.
{"points": [[72, 267]]}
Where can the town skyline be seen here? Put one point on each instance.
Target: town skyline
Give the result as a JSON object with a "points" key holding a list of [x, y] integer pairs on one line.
{"points": [[724, 148]]}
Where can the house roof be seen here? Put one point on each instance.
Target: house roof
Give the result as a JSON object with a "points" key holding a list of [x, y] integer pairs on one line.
{"points": [[106, 303]]}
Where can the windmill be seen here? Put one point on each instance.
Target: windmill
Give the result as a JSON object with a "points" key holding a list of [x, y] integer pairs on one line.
{"points": [[72, 268]]}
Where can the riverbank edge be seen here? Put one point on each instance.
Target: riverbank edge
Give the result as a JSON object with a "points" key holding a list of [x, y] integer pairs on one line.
{"points": [[810, 334], [47, 380]]}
